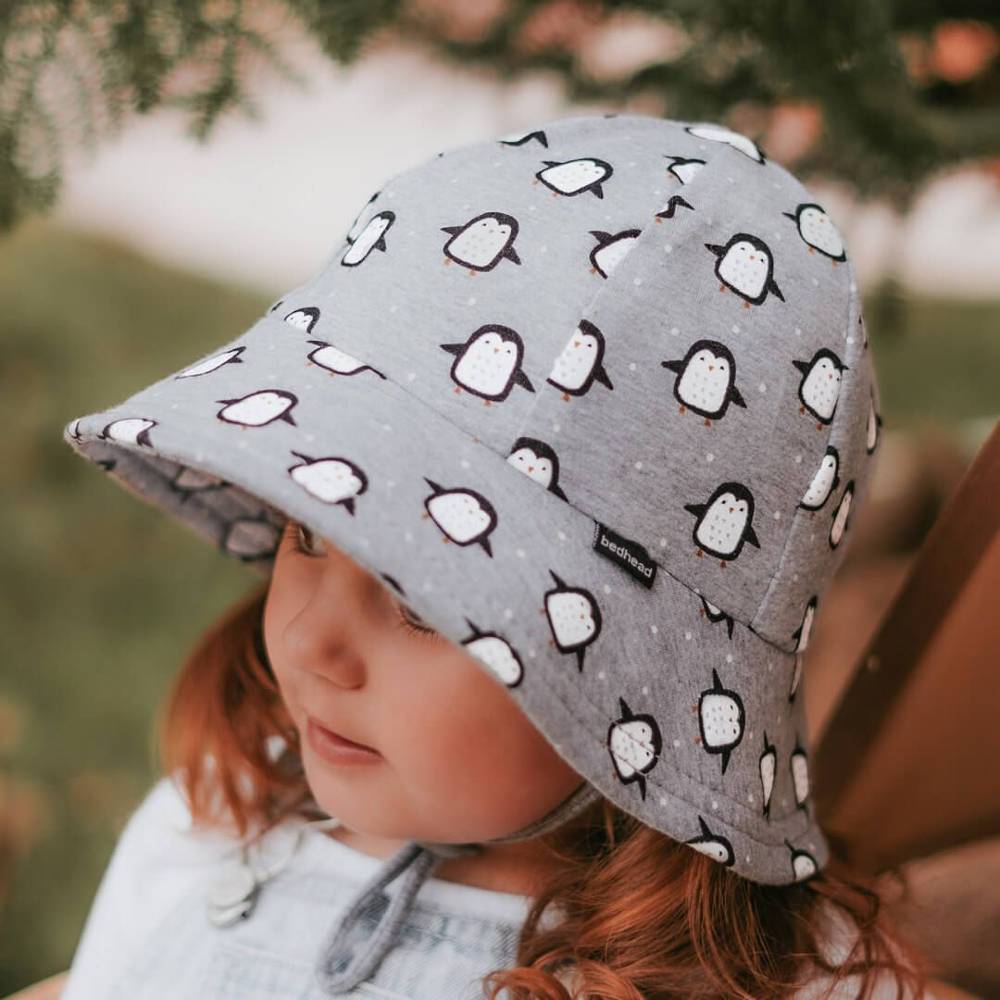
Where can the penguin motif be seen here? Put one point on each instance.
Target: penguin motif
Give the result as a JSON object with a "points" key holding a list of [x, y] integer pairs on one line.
{"points": [[482, 242], [463, 516], [707, 382], [796, 675], [799, 764], [803, 863], [303, 319], [397, 586], [746, 265], [189, 481], [495, 653], [874, 423], [719, 133], [824, 482], [73, 428], [714, 614], [129, 430], [250, 539], [572, 177], [820, 385], [724, 522], [611, 249], [256, 409], [523, 138], [721, 718], [675, 202], [839, 525], [864, 331], [276, 305], [332, 479], [767, 766], [818, 231], [580, 362], [574, 618], [634, 742], [360, 220], [684, 169], [488, 364], [372, 237], [338, 362], [801, 634], [537, 461], [232, 356], [717, 847]]}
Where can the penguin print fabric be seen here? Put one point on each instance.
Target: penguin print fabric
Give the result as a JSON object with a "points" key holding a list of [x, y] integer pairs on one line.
{"points": [[610, 321]]}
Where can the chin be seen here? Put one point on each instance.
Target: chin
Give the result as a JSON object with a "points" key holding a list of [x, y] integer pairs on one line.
{"points": [[338, 792]]}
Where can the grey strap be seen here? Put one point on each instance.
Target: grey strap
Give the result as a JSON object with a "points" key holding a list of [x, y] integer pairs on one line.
{"points": [[583, 795], [344, 963]]}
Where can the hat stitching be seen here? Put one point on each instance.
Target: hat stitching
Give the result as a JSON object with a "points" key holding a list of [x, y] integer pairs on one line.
{"points": [[835, 424]]}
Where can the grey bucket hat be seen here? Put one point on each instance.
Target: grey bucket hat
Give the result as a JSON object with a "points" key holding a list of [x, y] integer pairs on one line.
{"points": [[596, 401]]}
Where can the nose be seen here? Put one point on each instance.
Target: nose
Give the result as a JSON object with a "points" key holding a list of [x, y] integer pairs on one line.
{"points": [[326, 636]]}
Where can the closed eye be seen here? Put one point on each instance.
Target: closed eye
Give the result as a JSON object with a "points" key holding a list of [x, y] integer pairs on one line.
{"points": [[297, 530], [412, 622], [408, 619]]}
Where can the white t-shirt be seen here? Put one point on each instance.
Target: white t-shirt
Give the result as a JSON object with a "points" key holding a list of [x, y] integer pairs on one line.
{"points": [[148, 935]]}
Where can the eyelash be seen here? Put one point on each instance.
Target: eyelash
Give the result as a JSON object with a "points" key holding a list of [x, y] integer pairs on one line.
{"points": [[293, 528]]}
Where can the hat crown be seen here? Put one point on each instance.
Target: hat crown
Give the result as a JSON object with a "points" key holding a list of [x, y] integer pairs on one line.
{"points": [[649, 317]]}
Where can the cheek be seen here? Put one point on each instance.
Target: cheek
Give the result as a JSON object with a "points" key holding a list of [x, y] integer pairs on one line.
{"points": [[470, 747], [279, 607]]}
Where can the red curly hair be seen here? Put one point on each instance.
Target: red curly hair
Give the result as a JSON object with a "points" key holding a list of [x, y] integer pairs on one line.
{"points": [[641, 916]]}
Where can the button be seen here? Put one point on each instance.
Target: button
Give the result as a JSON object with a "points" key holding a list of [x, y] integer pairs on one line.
{"points": [[234, 885], [224, 916]]}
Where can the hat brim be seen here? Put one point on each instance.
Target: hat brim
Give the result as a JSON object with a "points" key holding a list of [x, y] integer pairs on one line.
{"points": [[234, 482]]}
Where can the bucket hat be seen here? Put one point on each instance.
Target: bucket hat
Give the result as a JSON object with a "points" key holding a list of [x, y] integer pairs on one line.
{"points": [[595, 400]]}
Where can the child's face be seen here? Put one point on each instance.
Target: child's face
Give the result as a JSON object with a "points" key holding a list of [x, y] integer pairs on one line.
{"points": [[458, 760]]}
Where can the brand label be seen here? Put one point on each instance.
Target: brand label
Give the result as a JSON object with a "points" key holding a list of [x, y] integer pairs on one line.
{"points": [[631, 556]]}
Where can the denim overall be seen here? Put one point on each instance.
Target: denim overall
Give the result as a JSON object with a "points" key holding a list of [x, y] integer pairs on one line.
{"points": [[450, 936]]}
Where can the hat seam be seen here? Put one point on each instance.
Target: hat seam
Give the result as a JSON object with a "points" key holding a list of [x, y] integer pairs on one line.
{"points": [[799, 512], [615, 281], [611, 283], [725, 151]]}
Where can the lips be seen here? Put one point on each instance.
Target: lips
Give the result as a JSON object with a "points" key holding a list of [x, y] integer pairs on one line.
{"points": [[340, 737]]}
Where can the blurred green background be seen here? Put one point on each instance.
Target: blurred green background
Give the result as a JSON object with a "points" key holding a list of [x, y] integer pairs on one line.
{"points": [[101, 597]]}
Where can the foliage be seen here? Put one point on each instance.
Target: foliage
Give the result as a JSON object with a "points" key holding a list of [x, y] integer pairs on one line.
{"points": [[885, 93]]}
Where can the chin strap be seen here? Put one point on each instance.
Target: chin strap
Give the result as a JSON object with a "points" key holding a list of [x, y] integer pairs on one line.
{"points": [[349, 955]]}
